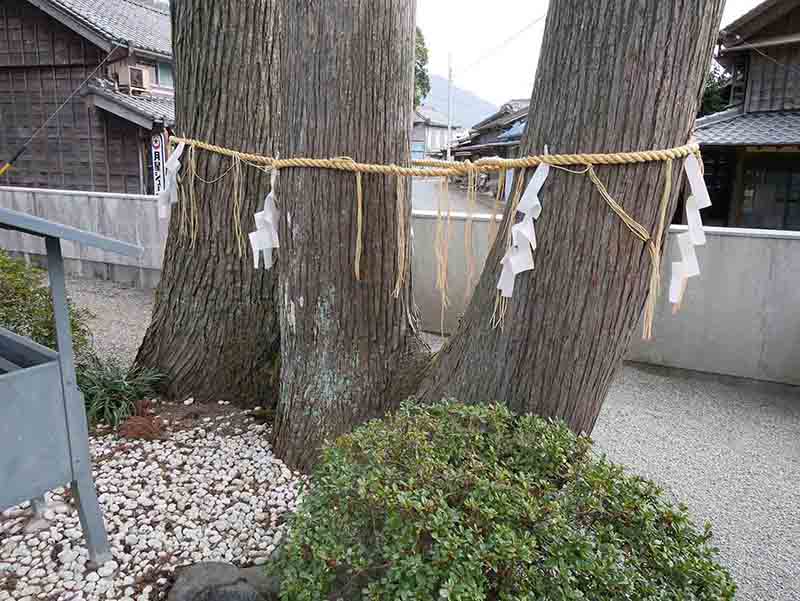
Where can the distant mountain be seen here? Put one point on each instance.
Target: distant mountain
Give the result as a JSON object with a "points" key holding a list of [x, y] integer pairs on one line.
{"points": [[468, 109]]}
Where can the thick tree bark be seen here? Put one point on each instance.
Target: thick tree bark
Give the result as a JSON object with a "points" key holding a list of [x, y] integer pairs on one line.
{"points": [[613, 75], [214, 331], [349, 350]]}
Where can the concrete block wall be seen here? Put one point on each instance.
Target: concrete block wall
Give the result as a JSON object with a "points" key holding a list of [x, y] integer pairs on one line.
{"points": [[740, 317], [127, 217]]}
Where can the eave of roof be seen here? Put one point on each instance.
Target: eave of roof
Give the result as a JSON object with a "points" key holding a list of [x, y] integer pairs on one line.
{"points": [[508, 109], [774, 128], [98, 35], [145, 111], [740, 30], [467, 149]]}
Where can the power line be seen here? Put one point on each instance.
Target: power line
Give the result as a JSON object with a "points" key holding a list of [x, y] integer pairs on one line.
{"points": [[22, 148], [744, 44], [505, 42]]}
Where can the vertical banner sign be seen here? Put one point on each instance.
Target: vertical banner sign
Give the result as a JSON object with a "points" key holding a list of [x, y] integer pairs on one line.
{"points": [[157, 145]]}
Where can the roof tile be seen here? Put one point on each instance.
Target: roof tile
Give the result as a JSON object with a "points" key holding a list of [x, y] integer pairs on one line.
{"points": [[141, 23], [779, 128]]}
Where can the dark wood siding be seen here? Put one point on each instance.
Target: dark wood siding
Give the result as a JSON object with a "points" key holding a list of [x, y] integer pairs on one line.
{"points": [[83, 148], [774, 82]]}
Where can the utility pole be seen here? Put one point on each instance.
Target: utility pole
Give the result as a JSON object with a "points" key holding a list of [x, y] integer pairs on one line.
{"points": [[449, 102]]}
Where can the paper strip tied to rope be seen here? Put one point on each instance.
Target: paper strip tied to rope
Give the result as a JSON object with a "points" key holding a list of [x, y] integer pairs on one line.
{"points": [[688, 266], [521, 237], [265, 238], [519, 256], [169, 195]]}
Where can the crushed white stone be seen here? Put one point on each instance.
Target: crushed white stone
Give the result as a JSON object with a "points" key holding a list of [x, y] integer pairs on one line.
{"points": [[199, 495]]}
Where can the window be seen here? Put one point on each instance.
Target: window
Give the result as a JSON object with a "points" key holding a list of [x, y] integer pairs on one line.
{"points": [[771, 194], [164, 75]]}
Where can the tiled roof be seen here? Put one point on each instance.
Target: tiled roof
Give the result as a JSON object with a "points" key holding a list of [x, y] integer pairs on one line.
{"points": [[161, 109], [431, 116], [779, 128], [139, 22], [508, 113], [514, 132]]}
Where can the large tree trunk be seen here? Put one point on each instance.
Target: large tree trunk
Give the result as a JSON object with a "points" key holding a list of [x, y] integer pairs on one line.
{"points": [[214, 331], [613, 75], [348, 347]]}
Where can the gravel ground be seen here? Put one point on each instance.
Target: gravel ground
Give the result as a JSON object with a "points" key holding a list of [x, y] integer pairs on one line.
{"points": [[209, 492], [121, 314], [728, 448]]}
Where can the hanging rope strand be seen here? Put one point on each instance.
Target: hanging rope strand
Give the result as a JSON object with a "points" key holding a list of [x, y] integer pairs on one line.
{"points": [[359, 225], [445, 169], [401, 236]]}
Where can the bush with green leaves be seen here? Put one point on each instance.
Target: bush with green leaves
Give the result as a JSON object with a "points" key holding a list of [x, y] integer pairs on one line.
{"points": [[111, 389], [471, 502], [26, 307]]}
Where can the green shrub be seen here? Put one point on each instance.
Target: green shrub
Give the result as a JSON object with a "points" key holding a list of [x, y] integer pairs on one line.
{"points": [[111, 390], [26, 307], [470, 502]]}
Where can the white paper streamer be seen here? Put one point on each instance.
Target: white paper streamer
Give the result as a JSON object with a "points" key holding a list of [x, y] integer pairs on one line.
{"points": [[519, 258], [265, 238], [509, 183], [676, 283], [506, 282], [695, 175], [688, 266], [169, 195], [695, 222]]}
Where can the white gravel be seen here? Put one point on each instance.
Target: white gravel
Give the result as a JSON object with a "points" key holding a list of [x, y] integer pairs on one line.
{"points": [[199, 495], [728, 448]]}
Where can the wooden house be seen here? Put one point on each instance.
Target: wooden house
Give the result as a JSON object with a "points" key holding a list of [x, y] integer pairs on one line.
{"points": [[429, 132], [497, 135], [751, 150], [109, 137]]}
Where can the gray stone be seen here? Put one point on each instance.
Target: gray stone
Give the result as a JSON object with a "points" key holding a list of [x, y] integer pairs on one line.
{"points": [[214, 581], [268, 586]]}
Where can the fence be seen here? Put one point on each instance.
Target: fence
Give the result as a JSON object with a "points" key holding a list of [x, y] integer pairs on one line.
{"points": [[740, 317]]}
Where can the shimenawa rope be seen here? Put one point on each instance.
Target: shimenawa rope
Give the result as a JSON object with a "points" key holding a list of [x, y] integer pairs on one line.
{"points": [[445, 169]]}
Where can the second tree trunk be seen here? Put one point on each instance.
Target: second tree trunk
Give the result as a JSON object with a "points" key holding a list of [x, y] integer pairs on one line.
{"points": [[613, 75], [348, 348]]}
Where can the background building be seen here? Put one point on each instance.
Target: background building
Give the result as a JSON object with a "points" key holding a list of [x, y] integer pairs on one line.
{"points": [[751, 150], [429, 133], [108, 137]]}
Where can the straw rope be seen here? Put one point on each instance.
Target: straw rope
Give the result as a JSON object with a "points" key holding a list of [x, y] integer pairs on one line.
{"points": [[444, 170], [359, 225], [401, 237], [442, 250], [433, 168], [469, 251], [501, 302]]}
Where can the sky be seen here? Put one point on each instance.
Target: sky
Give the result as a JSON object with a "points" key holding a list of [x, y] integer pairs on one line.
{"points": [[495, 45]]}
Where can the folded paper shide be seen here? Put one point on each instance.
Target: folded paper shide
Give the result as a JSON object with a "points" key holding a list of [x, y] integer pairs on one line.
{"points": [[519, 256], [265, 238], [169, 195], [520, 237], [688, 266]]}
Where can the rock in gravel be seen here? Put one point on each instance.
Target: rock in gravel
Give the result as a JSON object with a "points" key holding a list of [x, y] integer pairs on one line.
{"points": [[218, 581]]}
